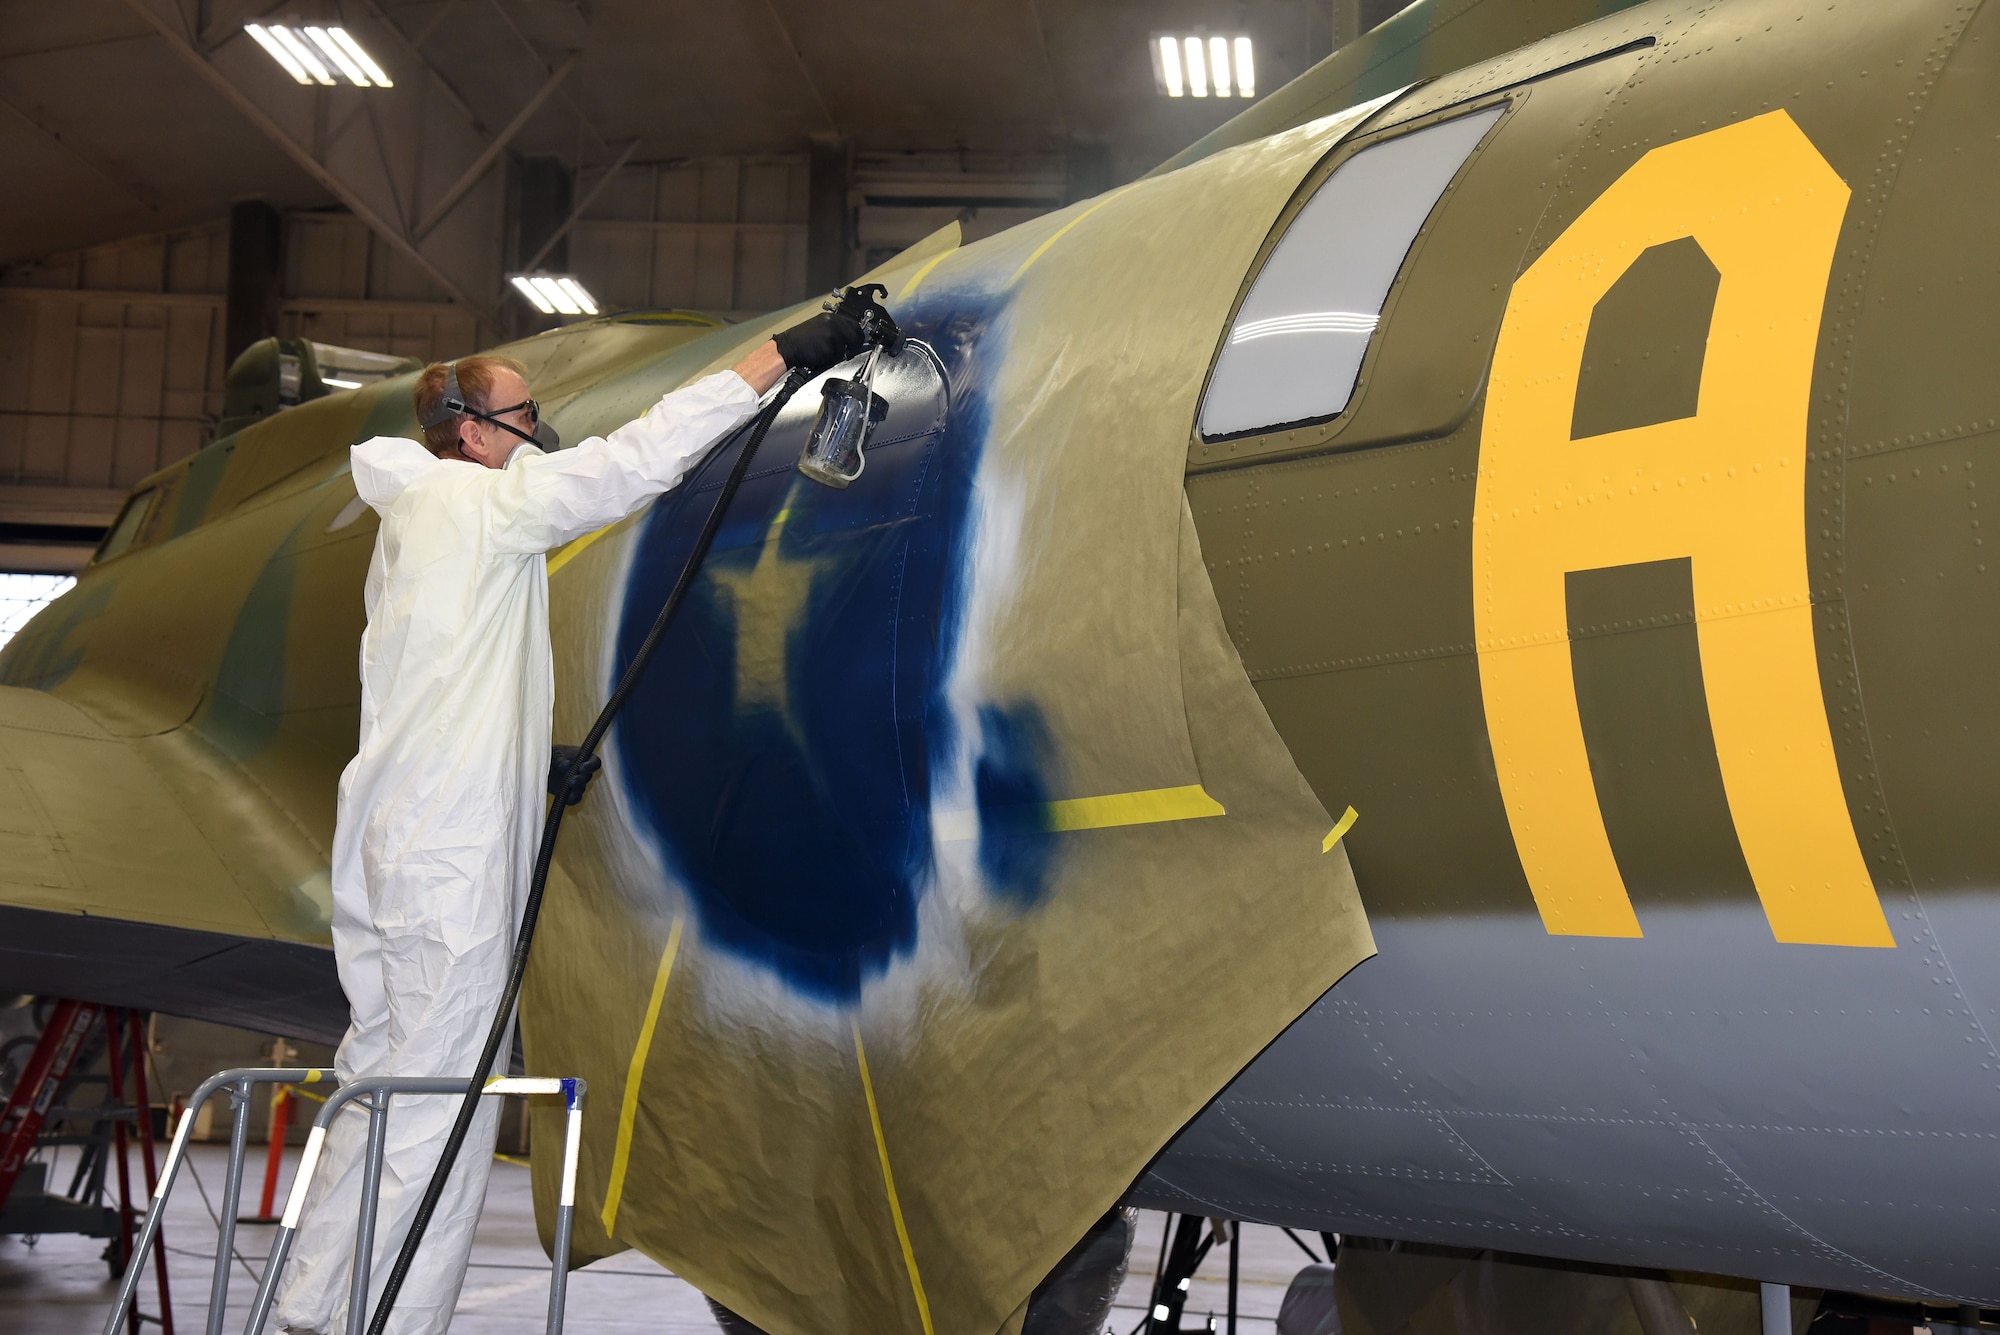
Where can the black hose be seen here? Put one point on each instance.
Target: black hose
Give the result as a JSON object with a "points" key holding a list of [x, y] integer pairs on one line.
{"points": [[545, 855]]}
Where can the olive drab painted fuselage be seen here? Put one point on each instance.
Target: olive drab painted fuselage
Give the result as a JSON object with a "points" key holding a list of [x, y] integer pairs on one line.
{"points": [[1636, 599], [1639, 604]]}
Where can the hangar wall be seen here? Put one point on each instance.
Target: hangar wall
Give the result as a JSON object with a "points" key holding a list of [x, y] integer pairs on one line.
{"points": [[111, 361], [112, 357]]}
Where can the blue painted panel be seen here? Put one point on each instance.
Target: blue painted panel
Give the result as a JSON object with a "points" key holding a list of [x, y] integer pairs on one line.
{"points": [[780, 749]]}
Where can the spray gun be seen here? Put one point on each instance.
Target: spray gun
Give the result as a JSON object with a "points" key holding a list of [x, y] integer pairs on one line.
{"points": [[849, 409]]}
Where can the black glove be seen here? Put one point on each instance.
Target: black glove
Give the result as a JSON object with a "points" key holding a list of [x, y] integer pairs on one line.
{"points": [[840, 331], [824, 340], [560, 759]]}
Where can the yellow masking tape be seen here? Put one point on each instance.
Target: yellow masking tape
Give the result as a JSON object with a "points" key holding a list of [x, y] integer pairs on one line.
{"points": [[923, 270], [1149, 807], [1340, 827], [570, 550], [1059, 233], [889, 1183], [628, 1108]]}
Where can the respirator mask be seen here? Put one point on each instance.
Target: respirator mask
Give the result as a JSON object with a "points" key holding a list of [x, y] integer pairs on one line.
{"points": [[453, 404]]}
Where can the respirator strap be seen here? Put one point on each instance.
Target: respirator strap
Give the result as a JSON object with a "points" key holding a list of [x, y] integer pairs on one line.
{"points": [[453, 403]]}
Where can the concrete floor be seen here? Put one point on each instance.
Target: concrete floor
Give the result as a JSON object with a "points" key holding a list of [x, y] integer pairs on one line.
{"points": [[58, 1285]]}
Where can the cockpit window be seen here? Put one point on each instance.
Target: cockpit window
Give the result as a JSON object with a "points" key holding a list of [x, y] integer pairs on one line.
{"points": [[1295, 349], [126, 526]]}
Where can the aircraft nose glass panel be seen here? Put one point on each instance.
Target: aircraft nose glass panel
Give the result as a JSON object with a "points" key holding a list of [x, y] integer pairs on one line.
{"points": [[1296, 347]]}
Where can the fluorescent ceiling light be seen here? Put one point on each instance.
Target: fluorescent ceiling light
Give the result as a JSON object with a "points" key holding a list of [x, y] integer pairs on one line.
{"points": [[553, 293], [316, 55], [577, 294], [277, 52], [339, 384], [344, 62], [1203, 65], [381, 80], [526, 287], [1170, 67], [302, 53]]}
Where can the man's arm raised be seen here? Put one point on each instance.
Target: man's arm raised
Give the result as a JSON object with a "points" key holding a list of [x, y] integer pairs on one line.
{"points": [[542, 501]]}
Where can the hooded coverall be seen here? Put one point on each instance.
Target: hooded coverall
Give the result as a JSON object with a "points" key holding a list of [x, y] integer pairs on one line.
{"points": [[441, 809]]}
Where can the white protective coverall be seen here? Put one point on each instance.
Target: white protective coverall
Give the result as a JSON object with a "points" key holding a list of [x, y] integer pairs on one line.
{"points": [[441, 810]]}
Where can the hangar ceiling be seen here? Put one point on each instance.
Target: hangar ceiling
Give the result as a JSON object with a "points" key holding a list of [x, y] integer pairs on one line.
{"points": [[119, 134], [178, 196]]}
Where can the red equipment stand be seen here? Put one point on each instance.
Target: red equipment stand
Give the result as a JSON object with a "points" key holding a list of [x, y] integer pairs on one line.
{"points": [[274, 1154], [51, 1069]]}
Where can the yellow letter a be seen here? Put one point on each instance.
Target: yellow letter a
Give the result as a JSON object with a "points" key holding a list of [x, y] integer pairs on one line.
{"points": [[1724, 488]]}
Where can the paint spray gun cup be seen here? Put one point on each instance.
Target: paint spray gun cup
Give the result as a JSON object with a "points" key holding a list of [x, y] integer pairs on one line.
{"points": [[849, 409]]}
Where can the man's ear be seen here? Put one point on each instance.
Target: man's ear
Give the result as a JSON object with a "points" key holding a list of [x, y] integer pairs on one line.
{"points": [[468, 437]]}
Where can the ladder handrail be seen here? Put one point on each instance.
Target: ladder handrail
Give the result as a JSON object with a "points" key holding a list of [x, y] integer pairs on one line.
{"points": [[570, 1088], [239, 1081]]}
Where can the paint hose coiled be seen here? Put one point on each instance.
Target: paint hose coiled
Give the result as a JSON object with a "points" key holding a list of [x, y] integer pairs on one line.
{"points": [[581, 762]]}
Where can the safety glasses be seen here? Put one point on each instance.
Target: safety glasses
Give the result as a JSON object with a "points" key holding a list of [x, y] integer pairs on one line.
{"points": [[534, 412]]}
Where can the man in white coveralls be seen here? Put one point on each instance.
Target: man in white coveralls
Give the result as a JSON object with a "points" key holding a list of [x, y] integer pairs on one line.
{"points": [[441, 809]]}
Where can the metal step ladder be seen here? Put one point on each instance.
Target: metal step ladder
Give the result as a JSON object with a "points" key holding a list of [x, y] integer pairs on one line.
{"points": [[373, 1094]]}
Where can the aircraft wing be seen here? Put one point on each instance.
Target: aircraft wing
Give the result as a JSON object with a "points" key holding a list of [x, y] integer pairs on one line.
{"points": [[111, 889]]}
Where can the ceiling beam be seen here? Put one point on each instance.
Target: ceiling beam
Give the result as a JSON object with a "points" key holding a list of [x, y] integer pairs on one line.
{"points": [[498, 145], [340, 190], [576, 213], [1049, 67], [121, 179], [413, 47], [798, 59]]}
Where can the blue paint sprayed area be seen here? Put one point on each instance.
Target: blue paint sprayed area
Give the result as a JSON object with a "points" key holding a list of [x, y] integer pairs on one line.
{"points": [[795, 803], [1015, 842]]}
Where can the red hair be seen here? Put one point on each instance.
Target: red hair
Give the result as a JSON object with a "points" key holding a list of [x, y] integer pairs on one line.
{"points": [[475, 383]]}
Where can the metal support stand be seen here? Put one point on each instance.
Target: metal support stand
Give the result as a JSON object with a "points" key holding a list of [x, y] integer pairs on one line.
{"points": [[232, 1193], [1235, 1262], [239, 1083], [364, 1232], [379, 1091], [1182, 1258]]}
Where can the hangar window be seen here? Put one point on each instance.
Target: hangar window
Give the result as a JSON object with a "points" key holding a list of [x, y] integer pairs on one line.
{"points": [[1295, 349]]}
